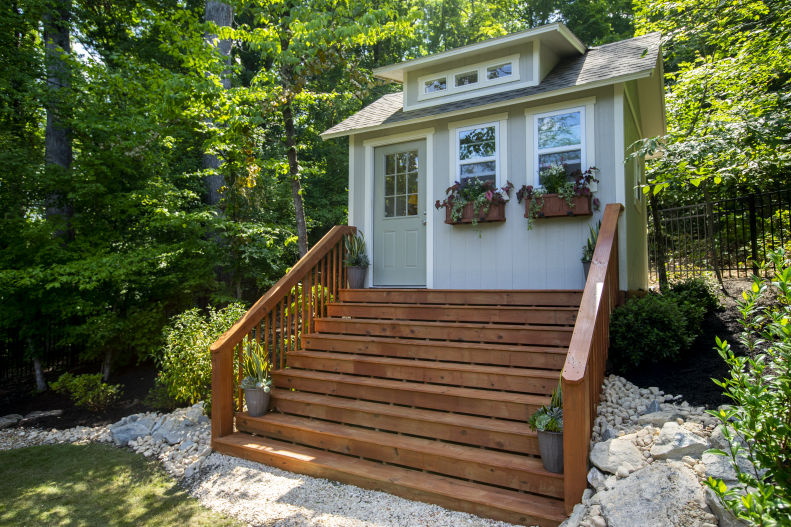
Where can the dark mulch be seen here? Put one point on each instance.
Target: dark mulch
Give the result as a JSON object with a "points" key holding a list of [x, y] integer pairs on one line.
{"points": [[16, 397], [691, 376]]}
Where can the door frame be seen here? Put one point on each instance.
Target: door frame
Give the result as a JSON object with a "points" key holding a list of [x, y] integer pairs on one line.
{"points": [[370, 145]]}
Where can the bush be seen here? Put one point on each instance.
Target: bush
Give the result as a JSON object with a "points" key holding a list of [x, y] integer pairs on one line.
{"points": [[185, 361], [760, 387], [647, 330], [703, 291], [88, 390]]}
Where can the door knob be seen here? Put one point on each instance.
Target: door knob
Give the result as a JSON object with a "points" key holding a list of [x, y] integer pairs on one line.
{"points": [[424, 222]]}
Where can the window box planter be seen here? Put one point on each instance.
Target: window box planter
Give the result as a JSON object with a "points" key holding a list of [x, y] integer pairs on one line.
{"points": [[556, 206], [496, 214]]}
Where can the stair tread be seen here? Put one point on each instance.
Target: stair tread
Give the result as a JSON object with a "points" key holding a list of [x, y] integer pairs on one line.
{"points": [[473, 393], [460, 306], [446, 366], [460, 452], [468, 325], [468, 421], [528, 504], [440, 343]]}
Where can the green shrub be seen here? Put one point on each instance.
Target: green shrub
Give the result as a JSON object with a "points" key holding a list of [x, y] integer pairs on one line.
{"points": [[88, 390], [691, 308], [185, 361], [703, 291], [647, 329], [760, 387]]}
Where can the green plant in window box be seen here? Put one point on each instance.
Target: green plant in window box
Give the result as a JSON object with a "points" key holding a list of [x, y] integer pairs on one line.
{"points": [[556, 181], [480, 193]]}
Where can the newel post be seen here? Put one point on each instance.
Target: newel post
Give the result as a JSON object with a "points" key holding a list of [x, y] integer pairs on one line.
{"points": [[221, 393], [576, 427]]}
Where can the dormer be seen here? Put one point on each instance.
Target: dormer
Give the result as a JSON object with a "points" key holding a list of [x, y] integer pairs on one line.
{"points": [[498, 65]]}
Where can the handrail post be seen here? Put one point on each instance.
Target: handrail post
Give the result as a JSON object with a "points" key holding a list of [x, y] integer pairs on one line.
{"points": [[221, 393]]}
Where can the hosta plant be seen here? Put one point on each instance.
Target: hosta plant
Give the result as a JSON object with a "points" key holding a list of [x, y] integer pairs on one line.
{"points": [[480, 193]]}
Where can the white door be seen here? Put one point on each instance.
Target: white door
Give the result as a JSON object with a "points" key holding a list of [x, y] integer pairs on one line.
{"points": [[400, 215]]}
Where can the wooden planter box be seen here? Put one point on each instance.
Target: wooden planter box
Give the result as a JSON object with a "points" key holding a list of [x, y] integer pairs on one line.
{"points": [[555, 206], [495, 214]]}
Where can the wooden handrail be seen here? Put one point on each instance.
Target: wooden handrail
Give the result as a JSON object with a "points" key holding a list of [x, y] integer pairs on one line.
{"points": [[583, 372], [277, 320]]}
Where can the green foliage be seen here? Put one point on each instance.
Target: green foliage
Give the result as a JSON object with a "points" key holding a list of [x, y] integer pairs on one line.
{"points": [[703, 291], [256, 368], [758, 425], [555, 181], [88, 390], [590, 245], [472, 190], [549, 419], [355, 250], [185, 360]]}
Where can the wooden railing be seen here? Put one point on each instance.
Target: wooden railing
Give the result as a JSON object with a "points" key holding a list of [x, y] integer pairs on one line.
{"points": [[277, 321], [584, 370]]}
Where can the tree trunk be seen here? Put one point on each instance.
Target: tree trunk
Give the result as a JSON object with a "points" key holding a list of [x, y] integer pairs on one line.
{"points": [[660, 250], [57, 138], [286, 74], [106, 364], [222, 15], [41, 382], [710, 233]]}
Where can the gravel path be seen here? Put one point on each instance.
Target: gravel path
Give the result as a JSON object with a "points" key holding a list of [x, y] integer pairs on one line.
{"points": [[267, 496]]}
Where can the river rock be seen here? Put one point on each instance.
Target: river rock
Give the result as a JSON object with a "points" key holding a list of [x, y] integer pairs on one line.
{"points": [[658, 419], [576, 516], [608, 434], [596, 478], [724, 515], [611, 454], [655, 497], [674, 442], [653, 408]]}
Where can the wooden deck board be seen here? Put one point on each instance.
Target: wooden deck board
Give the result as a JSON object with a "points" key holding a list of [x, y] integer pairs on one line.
{"points": [[457, 313]]}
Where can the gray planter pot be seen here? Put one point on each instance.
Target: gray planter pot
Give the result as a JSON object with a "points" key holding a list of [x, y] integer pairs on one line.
{"points": [[257, 401], [550, 446], [586, 267], [356, 276]]}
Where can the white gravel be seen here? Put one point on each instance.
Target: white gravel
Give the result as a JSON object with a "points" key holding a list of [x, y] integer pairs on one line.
{"points": [[263, 495]]}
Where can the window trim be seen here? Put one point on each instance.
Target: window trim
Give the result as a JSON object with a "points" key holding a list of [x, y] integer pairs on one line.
{"points": [[483, 82], [500, 121], [537, 152]]}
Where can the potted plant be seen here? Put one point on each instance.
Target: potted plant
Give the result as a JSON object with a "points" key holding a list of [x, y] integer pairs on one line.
{"points": [[256, 383], [356, 261], [559, 197], [475, 201], [549, 424], [589, 248]]}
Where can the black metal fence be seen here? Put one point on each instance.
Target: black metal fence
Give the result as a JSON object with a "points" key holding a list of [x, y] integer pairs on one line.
{"points": [[736, 233], [16, 359]]}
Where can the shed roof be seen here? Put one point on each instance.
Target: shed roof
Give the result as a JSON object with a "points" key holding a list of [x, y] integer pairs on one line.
{"points": [[608, 64]]}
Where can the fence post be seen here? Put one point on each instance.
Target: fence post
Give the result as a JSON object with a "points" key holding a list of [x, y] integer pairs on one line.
{"points": [[753, 233]]}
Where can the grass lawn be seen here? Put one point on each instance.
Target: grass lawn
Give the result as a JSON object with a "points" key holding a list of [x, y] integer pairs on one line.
{"points": [[86, 485]]}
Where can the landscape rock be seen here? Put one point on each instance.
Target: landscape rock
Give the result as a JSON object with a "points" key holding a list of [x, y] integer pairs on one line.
{"points": [[675, 442], [653, 408], [613, 453], [718, 440], [576, 516], [655, 496], [32, 416], [658, 419], [726, 519], [129, 429], [194, 413], [596, 478], [608, 434], [719, 467], [185, 429], [9, 420]]}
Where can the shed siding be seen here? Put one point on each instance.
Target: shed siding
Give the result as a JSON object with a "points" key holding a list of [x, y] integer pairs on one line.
{"points": [[635, 213]]}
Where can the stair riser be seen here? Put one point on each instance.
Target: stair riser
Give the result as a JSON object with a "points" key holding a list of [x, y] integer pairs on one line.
{"points": [[471, 436], [307, 467], [451, 314], [482, 407], [524, 335], [460, 296], [412, 350], [496, 475], [513, 383]]}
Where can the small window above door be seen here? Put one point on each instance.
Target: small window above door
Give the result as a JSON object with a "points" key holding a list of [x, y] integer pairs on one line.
{"points": [[470, 77]]}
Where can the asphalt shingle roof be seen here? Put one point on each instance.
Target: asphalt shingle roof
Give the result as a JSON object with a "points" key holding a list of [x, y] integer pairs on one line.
{"points": [[610, 61]]}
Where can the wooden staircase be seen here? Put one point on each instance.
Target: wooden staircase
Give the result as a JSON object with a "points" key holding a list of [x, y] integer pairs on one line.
{"points": [[424, 394]]}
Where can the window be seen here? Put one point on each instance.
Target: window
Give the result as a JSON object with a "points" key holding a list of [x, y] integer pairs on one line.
{"points": [[401, 184], [476, 152], [499, 71], [466, 78], [435, 85], [560, 140]]}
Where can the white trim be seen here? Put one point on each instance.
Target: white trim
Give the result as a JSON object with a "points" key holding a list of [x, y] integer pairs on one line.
{"points": [[478, 120], [350, 214], [620, 183], [370, 145], [536, 62], [481, 67], [634, 113], [508, 102], [588, 103], [479, 46]]}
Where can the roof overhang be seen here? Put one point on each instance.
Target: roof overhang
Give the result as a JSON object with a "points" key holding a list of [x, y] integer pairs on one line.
{"points": [[651, 90], [556, 36]]}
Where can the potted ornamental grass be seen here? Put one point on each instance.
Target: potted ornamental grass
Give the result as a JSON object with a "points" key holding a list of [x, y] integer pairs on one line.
{"points": [[257, 383], [474, 201], [356, 261], [548, 423], [589, 248], [559, 196]]}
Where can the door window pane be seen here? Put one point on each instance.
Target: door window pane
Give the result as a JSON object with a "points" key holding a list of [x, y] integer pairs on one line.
{"points": [[401, 184], [389, 185], [390, 167], [559, 130], [479, 142], [412, 183], [411, 209], [467, 78], [436, 85], [389, 207], [412, 162], [498, 71], [400, 205]]}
